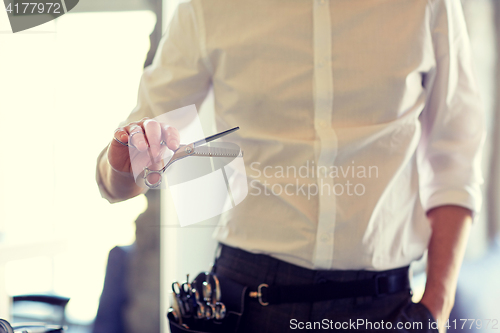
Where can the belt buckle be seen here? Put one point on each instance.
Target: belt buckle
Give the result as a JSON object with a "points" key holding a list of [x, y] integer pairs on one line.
{"points": [[377, 278], [258, 294]]}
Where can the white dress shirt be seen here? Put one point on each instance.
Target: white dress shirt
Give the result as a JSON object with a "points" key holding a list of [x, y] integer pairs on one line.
{"points": [[372, 104]]}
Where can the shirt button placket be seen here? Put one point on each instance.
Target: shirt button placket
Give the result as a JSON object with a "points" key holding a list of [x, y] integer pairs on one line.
{"points": [[323, 103]]}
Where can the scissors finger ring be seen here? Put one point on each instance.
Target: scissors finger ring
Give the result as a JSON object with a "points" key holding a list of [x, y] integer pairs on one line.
{"points": [[209, 311], [200, 310], [131, 135], [220, 310]]}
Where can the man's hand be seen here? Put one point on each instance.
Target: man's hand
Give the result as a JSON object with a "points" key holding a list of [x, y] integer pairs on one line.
{"points": [[138, 144], [142, 136], [450, 231]]}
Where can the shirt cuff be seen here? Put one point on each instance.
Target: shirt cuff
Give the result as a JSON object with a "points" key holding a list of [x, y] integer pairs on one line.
{"points": [[463, 198]]}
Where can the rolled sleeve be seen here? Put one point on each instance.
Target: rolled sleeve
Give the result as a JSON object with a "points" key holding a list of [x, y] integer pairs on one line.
{"points": [[449, 153]]}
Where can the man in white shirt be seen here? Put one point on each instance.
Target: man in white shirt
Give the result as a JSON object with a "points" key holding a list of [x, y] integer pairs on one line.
{"points": [[376, 100]]}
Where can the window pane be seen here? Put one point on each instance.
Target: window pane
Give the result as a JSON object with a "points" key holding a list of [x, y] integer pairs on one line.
{"points": [[64, 88]]}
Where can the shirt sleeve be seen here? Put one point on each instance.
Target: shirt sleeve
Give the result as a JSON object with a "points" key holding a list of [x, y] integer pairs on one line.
{"points": [[449, 153], [179, 75]]}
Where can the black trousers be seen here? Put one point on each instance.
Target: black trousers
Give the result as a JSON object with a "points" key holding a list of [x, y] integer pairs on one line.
{"points": [[387, 313]]}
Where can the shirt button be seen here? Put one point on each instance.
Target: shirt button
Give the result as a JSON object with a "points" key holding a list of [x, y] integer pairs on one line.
{"points": [[322, 123], [324, 238]]}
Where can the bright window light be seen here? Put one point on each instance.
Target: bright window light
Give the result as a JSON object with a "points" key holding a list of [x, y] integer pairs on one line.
{"points": [[64, 88]]}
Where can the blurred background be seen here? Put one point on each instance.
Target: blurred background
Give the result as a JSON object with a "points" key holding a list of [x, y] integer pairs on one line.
{"points": [[76, 77]]}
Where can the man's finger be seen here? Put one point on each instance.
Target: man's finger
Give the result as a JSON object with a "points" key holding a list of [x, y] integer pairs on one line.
{"points": [[137, 138], [153, 133], [171, 137], [121, 136]]}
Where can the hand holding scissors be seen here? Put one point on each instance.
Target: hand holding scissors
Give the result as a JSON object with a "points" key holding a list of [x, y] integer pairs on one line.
{"points": [[142, 143], [153, 178], [147, 141]]}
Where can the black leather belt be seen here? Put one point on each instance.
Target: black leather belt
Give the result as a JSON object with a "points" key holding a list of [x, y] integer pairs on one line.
{"points": [[381, 284]]}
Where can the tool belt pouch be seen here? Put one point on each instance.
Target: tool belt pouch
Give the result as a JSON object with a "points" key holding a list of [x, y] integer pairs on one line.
{"points": [[232, 295]]}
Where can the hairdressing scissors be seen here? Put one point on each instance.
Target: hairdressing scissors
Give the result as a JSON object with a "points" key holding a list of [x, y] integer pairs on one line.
{"points": [[184, 294], [194, 149], [201, 308], [219, 308], [208, 301]]}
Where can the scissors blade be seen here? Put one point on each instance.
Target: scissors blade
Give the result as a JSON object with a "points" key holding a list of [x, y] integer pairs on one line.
{"points": [[215, 136], [217, 152]]}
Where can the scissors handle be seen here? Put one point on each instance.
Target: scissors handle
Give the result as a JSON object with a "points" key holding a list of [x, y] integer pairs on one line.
{"points": [[176, 288], [148, 172], [220, 310], [181, 152]]}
